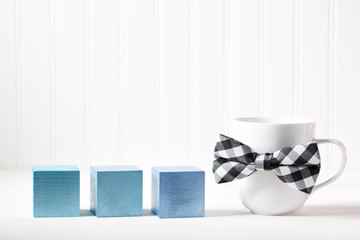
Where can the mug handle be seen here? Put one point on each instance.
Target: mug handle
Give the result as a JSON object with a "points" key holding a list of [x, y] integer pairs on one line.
{"points": [[343, 162]]}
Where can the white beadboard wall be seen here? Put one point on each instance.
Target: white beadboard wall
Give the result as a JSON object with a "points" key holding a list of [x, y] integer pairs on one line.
{"points": [[153, 82]]}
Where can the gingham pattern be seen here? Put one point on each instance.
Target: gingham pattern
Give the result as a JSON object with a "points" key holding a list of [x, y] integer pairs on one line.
{"points": [[297, 166]]}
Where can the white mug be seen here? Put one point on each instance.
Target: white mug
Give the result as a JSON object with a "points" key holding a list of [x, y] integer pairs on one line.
{"points": [[263, 192]]}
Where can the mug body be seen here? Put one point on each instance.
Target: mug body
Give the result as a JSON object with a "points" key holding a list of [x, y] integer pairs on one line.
{"points": [[263, 192]]}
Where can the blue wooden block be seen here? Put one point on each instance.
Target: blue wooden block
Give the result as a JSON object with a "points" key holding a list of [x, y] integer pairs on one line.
{"points": [[178, 192], [116, 191], [56, 191]]}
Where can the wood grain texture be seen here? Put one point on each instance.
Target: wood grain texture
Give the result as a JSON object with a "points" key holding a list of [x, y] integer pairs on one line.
{"points": [[116, 191], [331, 208], [178, 192], [56, 191]]}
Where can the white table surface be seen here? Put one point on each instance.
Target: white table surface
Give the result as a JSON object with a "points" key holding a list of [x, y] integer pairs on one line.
{"points": [[330, 213]]}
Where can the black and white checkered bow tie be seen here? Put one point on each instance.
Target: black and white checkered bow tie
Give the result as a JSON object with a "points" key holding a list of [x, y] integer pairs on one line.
{"points": [[297, 166]]}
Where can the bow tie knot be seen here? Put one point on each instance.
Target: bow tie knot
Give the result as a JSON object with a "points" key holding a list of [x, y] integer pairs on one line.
{"points": [[297, 166], [263, 162]]}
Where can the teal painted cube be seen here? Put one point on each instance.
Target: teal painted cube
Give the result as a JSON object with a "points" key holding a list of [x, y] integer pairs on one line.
{"points": [[178, 192], [56, 191], [116, 191]]}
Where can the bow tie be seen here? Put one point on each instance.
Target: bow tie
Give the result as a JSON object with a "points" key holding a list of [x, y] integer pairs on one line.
{"points": [[297, 166]]}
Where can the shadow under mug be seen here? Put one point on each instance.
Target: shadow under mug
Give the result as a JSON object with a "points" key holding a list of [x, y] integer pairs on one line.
{"points": [[263, 192]]}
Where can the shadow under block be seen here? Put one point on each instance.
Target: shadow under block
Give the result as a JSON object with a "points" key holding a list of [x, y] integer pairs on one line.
{"points": [[116, 191], [56, 191], [178, 192]]}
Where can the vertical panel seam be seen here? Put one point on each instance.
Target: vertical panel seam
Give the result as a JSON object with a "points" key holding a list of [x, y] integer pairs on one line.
{"points": [[193, 81], [264, 56], [122, 81], [158, 84], [120, 139], [18, 84], [226, 107], [262, 83], [295, 57], [259, 57], [334, 88], [332, 71], [229, 65], [297, 45], [155, 80], [53, 84], [87, 81]]}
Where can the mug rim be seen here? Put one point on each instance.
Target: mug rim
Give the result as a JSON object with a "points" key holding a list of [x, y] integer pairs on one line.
{"points": [[274, 120]]}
